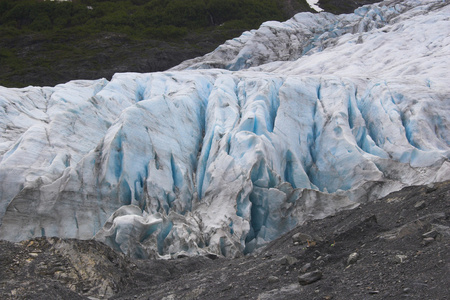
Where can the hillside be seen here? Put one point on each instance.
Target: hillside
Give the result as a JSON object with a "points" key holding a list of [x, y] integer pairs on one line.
{"points": [[46, 43], [50, 43]]}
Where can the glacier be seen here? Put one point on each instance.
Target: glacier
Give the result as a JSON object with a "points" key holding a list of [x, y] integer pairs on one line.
{"points": [[225, 152]]}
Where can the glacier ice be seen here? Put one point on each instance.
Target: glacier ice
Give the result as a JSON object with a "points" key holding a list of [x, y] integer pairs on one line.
{"points": [[202, 160]]}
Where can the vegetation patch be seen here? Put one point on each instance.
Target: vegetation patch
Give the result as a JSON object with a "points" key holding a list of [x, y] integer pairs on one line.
{"points": [[74, 34]]}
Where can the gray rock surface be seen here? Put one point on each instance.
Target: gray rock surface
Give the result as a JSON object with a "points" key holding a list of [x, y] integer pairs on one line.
{"points": [[352, 258], [310, 277]]}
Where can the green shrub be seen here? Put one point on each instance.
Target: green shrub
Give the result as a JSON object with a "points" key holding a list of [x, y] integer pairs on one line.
{"points": [[41, 22], [165, 32], [136, 15]]}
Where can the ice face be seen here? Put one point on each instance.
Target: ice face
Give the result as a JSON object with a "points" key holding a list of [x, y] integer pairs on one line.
{"points": [[307, 33], [221, 162]]}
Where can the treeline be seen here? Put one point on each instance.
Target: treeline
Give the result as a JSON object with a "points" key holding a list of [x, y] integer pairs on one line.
{"points": [[138, 18]]}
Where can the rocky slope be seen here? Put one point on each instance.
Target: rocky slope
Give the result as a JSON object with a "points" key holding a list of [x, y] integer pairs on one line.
{"points": [[393, 248]]}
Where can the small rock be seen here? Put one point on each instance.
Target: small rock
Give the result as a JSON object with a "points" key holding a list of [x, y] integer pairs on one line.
{"points": [[212, 256], [352, 258], [406, 290], [288, 260], [360, 40], [443, 232], [273, 279], [305, 268], [400, 258], [321, 262], [430, 188], [301, 238], [374, 292], [420, 205], [310, 277], [430, 234], [427, 241]]}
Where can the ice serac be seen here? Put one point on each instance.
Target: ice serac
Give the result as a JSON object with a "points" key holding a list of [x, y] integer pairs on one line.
{"points": [[219, 162], [304, 34]]}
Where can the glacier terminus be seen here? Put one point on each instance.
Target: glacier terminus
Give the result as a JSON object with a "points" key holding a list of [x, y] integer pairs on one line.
{"points": [[226, 152]]}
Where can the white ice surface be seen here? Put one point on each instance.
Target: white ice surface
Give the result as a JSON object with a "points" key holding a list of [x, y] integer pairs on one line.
{"points": [[314, 115]]}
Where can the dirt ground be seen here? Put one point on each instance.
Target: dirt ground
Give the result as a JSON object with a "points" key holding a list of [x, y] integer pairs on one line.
{"points": [[393, 248]]}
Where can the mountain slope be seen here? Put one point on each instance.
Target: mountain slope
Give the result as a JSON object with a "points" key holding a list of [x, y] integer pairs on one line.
{"points": [[52, 42], [212, 161]]}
